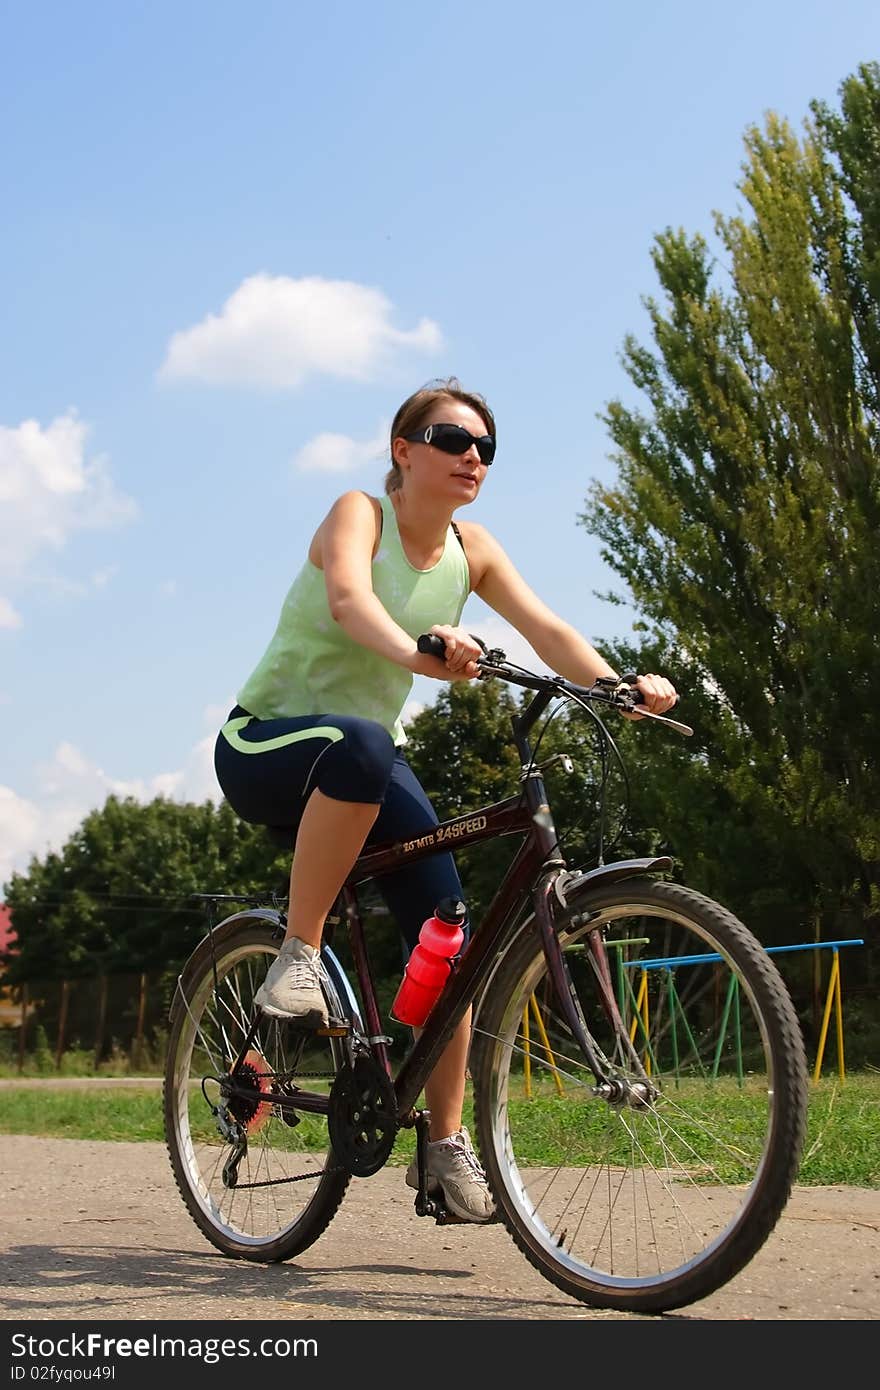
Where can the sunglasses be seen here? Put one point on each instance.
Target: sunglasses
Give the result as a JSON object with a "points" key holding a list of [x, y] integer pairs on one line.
{"points": [[455, 439]]}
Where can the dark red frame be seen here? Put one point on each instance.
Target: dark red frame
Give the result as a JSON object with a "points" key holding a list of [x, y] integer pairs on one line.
{"points": [[537, 857]]}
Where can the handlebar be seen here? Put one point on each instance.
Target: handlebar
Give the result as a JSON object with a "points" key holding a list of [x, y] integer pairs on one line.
{"points": [[618, 692]]}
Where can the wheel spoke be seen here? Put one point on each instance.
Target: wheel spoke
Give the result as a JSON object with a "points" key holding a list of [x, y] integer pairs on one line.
{"points": [[286, 1188], [639, 1190]]}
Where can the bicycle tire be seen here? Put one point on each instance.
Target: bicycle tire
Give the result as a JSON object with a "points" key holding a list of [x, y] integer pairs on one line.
{"points": [[643, 1209], [287, 1192]]}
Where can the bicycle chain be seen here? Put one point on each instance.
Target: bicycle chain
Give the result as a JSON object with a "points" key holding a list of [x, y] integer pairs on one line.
{"points": [[286, 1078], [301, 1177]]}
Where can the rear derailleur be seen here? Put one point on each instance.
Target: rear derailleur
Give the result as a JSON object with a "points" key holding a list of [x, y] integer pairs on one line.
{"points": [[245, 1105]]}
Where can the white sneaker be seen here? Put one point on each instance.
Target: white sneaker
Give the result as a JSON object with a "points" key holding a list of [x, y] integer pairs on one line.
{"points": [[454, 1167], [292, 987]]}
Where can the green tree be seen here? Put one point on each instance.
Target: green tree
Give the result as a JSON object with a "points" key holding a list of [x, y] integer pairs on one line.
{"points": [[744, 521], [117, 896]]}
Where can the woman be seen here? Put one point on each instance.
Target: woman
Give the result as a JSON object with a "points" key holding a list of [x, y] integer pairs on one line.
{"points": [[315, 743]]}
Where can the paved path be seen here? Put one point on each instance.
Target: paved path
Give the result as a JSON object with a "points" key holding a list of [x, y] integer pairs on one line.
{"points": [[97, 1230]]}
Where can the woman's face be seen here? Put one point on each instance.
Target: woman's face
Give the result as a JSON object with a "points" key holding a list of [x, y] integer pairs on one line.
{"points": [[430, 471]]}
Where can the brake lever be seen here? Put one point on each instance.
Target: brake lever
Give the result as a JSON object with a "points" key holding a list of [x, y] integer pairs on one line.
{"points": [[620, 685], [664, 719]]}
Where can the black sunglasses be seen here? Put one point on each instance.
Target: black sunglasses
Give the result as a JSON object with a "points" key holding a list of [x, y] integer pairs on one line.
{"points": [[455, 439]]}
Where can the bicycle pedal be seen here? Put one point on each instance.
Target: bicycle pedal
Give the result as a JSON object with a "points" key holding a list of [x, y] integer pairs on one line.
{"points": [[444, 1217], [334, 1028], [447, 1218], [428, 1206]]}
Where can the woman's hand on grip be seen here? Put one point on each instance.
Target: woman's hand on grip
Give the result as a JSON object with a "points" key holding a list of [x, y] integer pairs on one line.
{"points": [[460, 660], [658, 695]]}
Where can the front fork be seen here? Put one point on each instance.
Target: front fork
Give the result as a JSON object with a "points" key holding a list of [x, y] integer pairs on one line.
{"points": [[612, 1086]]}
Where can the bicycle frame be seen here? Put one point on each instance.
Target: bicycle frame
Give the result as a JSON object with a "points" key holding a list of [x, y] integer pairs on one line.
{"points": [[534, 872], [533, 857]]}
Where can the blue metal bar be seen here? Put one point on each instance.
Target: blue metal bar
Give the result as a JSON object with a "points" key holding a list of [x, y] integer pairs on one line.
{"points": [[815, 945], [663, 962]]}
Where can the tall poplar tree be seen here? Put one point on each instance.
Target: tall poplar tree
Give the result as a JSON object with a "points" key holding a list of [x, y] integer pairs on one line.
{"points": [[744, 517]]}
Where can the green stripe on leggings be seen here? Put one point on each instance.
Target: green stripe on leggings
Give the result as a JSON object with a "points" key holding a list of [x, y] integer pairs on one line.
{"points": [[232, 733]]}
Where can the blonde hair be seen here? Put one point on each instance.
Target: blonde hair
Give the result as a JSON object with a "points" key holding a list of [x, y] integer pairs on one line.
{"points": [[416, 408]]}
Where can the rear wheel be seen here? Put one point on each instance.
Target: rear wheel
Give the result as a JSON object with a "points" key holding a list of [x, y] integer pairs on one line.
{"points": [[654, 1194], [285, 1186]]}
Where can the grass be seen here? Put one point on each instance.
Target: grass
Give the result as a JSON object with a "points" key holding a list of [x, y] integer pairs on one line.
{"points": [[842, 1145], [79, 1061]]}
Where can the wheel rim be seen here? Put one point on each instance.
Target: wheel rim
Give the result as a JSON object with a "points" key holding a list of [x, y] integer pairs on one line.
{"points": [[283, 1167], [627, 1198]]}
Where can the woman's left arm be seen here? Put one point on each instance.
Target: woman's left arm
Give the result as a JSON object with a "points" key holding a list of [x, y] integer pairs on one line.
{"points": [[499, 584]]}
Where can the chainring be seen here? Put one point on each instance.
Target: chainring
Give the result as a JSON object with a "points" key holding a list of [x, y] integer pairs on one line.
{"points": [[362, 1119]]}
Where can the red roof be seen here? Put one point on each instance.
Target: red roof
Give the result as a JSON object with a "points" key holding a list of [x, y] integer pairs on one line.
{"points": [[7, 935]]}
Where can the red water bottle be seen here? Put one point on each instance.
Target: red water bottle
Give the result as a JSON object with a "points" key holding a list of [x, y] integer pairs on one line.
{"points": [[430, 964]]}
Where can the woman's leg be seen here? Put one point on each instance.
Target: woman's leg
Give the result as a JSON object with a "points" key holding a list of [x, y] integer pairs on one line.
{"points": [[452, 1164], [330, 837], [444, 1088], [325, 778], [412, 893]]}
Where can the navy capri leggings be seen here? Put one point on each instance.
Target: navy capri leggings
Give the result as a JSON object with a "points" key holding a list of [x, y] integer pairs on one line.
{"points": [[267, 768]]}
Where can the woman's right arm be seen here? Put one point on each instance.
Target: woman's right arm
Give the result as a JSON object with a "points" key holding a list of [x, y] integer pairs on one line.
{"points": [[346, 538]]}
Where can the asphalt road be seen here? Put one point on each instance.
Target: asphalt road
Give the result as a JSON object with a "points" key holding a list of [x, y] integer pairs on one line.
{"points": [[98, 1230]]}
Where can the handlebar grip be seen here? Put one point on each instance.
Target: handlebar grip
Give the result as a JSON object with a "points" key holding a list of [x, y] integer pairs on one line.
{"points": [[429, 644], [638, 698]]}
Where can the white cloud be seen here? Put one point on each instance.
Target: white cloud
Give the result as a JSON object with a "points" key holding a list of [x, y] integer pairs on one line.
{"points": [[275, 332], [69, 786], [70, 759], [49, 490], [411, 709], [214, 715], [495, 632], [195, 781], [21, 832], [484, 622], [339, 453], [9, 617], [71, 777]]}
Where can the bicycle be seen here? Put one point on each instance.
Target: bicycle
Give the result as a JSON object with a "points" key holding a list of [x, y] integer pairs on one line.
{"points": [[639, 1143]]}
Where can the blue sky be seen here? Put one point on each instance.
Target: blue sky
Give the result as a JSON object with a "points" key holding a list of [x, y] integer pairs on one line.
{"points": [[229, 232]]}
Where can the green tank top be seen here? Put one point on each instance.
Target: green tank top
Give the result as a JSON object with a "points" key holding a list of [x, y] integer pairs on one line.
{"points": [[312, 667]]}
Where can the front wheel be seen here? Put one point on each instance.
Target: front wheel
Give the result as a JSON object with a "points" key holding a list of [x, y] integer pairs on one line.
{"points": [[653, 1192], [271, 1196]]}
